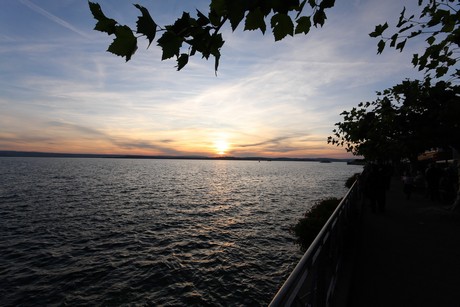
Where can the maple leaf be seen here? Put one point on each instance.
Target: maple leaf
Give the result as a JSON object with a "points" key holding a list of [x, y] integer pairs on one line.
{"points": [[145, 24], [170, 43], [124, 44], [282, 25], [103, 24]]}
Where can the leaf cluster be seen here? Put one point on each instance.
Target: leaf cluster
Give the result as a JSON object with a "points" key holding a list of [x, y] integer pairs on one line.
{"points": [[438, 21], [402, 122], [189, 35]]}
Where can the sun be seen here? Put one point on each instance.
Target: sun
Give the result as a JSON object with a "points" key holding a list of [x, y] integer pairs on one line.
{"points": [[221, 147]]}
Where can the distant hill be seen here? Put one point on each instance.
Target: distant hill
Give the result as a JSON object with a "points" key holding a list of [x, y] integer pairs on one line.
{"points": [[8, 153]]}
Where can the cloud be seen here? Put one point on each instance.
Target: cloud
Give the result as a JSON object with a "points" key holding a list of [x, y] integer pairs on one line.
{"points": [[131, 143], [121, 142], [78, 128], [273, 142], [143, 145], [23, 138], [53, 18]]}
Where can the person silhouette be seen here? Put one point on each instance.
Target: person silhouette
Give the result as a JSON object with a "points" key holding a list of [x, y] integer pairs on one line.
{"points": [[432, 177], [375, 187]]}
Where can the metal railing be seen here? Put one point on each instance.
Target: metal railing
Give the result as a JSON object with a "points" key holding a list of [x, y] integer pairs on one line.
{"points": [[313, 281]]}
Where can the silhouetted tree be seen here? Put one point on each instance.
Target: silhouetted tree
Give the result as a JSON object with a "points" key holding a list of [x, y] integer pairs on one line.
{"points": [[402, 122], [438, 22]]}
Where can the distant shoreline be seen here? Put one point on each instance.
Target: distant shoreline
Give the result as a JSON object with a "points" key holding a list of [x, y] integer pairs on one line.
{"points": [[9, 153]]}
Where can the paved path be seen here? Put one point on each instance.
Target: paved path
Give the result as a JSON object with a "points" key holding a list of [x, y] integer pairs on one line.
{"points": [[407, 256]]}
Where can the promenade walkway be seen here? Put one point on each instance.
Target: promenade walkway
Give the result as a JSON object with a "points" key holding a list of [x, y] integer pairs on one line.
{"points": [[407, 256]]}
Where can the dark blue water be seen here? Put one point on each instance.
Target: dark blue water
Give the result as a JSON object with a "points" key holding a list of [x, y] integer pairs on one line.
{"points": [[153, 232]]}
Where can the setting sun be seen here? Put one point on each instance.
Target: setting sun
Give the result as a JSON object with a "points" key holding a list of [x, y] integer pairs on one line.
{"points": [[221, 146]]}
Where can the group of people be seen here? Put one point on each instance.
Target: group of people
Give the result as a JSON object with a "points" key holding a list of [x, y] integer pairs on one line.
{"points": [[436, 182]]}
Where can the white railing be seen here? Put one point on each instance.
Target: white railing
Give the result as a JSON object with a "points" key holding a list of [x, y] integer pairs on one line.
{"points": [[313, 281]]}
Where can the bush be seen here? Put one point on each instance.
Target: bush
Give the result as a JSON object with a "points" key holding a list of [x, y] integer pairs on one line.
{"points": [[351, 180], [308, 227]]}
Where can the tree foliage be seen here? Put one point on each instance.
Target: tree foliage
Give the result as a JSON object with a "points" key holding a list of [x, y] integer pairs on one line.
{"points": [[413, 116], [201, 33], [402, 122], [438, 21]]}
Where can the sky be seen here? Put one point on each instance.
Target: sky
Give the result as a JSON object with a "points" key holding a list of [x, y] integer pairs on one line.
{"points": [[60, 91]]}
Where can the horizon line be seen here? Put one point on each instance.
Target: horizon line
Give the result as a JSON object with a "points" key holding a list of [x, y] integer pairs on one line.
{"points": [[15, 153]]}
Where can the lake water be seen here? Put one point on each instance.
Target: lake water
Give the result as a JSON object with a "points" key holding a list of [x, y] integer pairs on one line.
{"points": [[153, 232]]}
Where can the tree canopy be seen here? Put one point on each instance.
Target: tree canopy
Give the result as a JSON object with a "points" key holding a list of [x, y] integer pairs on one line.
{"points": [[402, 122], [413, 116], [201, 34]]}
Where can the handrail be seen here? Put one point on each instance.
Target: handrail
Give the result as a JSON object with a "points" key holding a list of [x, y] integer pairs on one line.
{"points": [[313, 280]]}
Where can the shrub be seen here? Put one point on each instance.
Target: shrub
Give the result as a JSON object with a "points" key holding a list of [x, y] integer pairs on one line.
{"points": [[351, 180], [308, 227]]}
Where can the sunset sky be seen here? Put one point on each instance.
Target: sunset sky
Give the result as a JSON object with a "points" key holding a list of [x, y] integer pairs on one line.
{"points": [[60, 91]]}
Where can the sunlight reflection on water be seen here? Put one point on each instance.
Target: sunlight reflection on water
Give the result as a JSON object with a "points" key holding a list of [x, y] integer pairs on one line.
{"points": [[173, 232]]}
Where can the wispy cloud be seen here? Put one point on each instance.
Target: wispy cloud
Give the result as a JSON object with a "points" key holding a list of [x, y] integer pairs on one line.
{"points": [[143, 145], [53, 17], [276, 141], [122, 142]]}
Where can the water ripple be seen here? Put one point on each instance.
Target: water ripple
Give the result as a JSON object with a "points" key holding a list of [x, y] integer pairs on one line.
{"points": [[152, 232]]}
